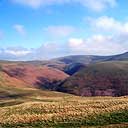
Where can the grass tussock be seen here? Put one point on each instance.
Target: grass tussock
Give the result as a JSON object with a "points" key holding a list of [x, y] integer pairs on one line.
{"points": [[65, 111]]}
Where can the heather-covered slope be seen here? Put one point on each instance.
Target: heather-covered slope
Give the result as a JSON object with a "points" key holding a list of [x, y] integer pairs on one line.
{"points": [[101, 79], [29, 75], [15, 87]]}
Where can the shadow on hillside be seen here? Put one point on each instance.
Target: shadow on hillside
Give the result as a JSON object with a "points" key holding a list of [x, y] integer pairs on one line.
{"points": [[5, 95], [10, 103], [47, 84]]}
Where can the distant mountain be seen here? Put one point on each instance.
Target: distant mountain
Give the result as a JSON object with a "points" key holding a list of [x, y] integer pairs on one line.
{"points": [[87, 59], [71, 64], [83, 59], [120, 57], [100, 79]]}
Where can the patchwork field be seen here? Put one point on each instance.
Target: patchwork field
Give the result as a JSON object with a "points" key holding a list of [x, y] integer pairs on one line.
{"points": [[33, 108]]}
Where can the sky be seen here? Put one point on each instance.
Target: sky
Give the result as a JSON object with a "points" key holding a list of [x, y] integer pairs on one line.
{"points": [[44, 29]]}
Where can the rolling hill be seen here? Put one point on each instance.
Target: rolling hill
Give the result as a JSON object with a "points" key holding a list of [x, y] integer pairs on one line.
{"points": [[28, 75], [100, 79], [80, 75], [88, 59], [71, 64]]}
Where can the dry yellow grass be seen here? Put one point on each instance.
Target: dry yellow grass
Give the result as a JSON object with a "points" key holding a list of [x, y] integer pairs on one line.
{"points": [[61, 109]]}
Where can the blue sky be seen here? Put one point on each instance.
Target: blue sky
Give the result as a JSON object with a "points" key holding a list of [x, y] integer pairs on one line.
{"points": [[43, 29]]}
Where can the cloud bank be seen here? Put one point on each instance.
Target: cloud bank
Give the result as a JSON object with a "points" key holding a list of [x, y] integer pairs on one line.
{"points": [[111, 38]]}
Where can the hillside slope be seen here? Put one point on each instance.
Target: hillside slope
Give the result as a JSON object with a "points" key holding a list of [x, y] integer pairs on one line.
{"points": [[101, 79], [71, 64], [31, 75]]}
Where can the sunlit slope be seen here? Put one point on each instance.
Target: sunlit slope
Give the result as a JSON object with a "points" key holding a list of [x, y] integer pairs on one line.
{"points": [[66, 111], [14, 90], [22, 74], [10, 95]]}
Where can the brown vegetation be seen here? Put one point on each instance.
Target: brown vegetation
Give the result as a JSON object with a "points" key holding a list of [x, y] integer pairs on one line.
{"points": [[101, 79], [34, 75]]}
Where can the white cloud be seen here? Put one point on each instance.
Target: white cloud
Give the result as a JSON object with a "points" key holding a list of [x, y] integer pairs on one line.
{"points": [[97, 45], [38, 3], [96, 5], [59, 31], [17, 51], [76, 44], [100, 43], [31, 3], [94, 45], [104, 45], [20, 29], [108, 24]]}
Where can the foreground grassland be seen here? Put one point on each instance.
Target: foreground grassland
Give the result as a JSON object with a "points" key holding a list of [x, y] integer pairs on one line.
{"points": [[45, 109]]}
